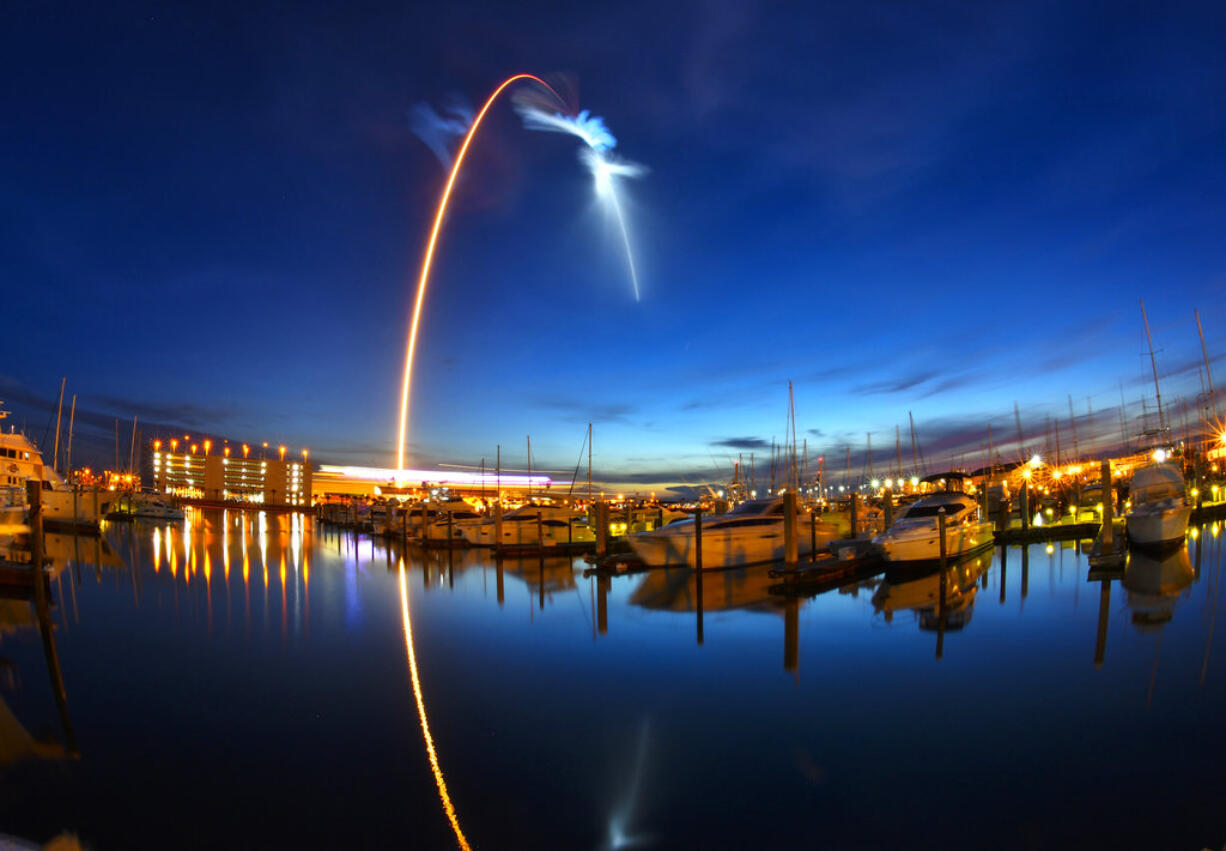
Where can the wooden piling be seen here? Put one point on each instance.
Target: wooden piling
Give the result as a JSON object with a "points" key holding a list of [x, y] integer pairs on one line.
{"points": [[790, 547], [941, 541], [600, 510], [812, 534], [540, 536], [1025, 507], [851, 533], [1108, 509], [889, 508], [498, 525], [34, 498], [698, 543]]}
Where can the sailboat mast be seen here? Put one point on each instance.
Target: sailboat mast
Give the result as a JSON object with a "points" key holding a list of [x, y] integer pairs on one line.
{"points": [[132, 448], [914, 451], [59, 413], [1205, 354], [72, 415], [589, 462], [1154, 364]]}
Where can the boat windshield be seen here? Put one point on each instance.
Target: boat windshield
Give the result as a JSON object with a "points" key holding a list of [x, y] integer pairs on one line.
{"points": [[932, 510], [755, 507]]}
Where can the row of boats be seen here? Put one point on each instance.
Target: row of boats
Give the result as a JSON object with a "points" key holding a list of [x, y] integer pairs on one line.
{"points": [[754, 531]]}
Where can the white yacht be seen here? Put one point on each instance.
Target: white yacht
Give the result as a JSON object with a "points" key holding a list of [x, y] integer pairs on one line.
{"points": [[1160, 506], [21, 461], [914, 536], [751, 533], [557, 525]]}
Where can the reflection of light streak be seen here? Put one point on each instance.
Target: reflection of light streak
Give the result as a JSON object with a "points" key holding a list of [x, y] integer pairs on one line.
{"points": [[621, 817], [439, 213], [157, 549], [421, 713]]}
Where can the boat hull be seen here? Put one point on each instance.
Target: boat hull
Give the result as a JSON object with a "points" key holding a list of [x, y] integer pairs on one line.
{"points": [[724, 548], [1152, 528], [925, 544]]}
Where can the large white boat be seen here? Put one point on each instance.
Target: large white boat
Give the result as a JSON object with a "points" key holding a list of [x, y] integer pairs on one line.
{"points": [[525, 526], [1160, 506], [20, 461], [751, 533], [915, 535]]}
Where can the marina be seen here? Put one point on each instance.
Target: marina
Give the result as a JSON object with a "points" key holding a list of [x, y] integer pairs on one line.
{"points": [[295, 634]]}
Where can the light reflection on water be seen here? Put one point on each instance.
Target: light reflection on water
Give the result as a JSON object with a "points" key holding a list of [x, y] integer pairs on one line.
{"points": [[644, 709]]}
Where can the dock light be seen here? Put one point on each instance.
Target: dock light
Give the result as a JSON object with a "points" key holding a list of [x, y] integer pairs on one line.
{"points": [[174, 444], [157, 444], [914, 481], [187, 437], [876, 484], [226, 452], [306, 453], [1160, 455], [193, 449], [1035, 460]]}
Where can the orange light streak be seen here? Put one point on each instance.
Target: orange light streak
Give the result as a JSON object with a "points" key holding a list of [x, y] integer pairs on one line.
{"points": [[421, 714], [428, 258]]}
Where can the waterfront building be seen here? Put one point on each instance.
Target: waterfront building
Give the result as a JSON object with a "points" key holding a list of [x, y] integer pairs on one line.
{"points": [[201, 474]]}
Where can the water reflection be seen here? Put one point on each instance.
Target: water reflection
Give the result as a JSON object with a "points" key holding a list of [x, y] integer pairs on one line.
{"points": [[1153, 582], [439, 780]]}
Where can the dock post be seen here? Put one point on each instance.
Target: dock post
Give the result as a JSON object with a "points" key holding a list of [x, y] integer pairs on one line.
{"points": [[698, 568], [425, 524], [659, 517], [75, 512], [790, 547], [570, 529], [96, 517], [1025, 507], [404, 524], [1004, 570], [34, 496], [889, 508], [854, 500], [941, 541], [600, 510], [628, 516], [498, 526], [540, 534], [1108, 509], [812, 534], [698, 543]]}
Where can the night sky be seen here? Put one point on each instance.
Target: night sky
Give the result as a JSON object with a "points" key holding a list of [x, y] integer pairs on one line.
{"points": [[213, 218]]}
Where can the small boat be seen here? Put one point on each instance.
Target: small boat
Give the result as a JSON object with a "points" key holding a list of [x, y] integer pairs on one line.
{"points": [[148, 506], [914, 536], [751, 533], [1160, 506]]}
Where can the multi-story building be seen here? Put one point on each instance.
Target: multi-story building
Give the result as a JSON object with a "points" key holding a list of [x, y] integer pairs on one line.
{"points": [[226, 476]]}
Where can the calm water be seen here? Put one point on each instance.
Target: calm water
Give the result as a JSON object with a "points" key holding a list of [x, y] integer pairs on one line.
{"points": [[240, 681]]}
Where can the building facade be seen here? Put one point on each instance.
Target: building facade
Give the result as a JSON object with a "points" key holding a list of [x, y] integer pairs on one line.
{"points": [[225, 477]]}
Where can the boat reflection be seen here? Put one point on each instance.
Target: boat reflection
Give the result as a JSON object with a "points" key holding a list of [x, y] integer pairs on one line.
{"points": [[932, 599], [1153, 582], [677, 590]]}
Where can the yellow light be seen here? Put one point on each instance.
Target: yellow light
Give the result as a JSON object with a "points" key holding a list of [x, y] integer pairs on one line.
{"points": [[281, 449], [208, 444], [193, 449], [157, 444], [246, 450]]}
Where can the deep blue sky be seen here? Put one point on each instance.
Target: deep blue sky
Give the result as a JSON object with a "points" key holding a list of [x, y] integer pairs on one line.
{"points": [[213, 217]]}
